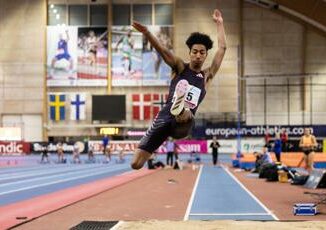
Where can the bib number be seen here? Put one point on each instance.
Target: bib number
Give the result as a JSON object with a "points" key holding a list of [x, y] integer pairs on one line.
{"points": [[192, 97]]}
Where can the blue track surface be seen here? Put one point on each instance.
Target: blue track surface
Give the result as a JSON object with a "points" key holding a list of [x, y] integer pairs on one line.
{"points": [[219, 196], [21, 183]]}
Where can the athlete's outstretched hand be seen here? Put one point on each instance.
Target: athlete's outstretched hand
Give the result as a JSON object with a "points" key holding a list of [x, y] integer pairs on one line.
{"points": [[217, 16], [140, 27]]}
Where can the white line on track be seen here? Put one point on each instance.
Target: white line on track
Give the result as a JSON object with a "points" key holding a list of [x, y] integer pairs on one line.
{"points": [[252, 195], [59, 174], [52, 182], [229, 214], [193, 194], [42, 172]]}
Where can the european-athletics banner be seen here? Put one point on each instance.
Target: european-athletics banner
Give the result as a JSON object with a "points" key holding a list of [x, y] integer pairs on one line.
{"points": [[257, 131]]}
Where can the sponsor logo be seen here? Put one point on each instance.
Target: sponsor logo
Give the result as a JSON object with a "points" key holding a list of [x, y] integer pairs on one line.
{"points": [[254, 131], [199, 75], [13, 147]]}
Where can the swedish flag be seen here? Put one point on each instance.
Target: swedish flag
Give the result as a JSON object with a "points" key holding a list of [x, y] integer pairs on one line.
{"points": [[57, 106]]}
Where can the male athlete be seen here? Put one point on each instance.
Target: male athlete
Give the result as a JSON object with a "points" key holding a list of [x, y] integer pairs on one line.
{"points": [[187, 88]]}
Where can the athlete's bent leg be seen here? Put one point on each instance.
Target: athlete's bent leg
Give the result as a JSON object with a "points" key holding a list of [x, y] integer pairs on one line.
{"points": [[184, 117], [140, 158], [183, 125]]}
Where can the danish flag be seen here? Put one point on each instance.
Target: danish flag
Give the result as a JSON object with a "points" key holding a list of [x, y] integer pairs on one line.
{"points": [[141, 106]]}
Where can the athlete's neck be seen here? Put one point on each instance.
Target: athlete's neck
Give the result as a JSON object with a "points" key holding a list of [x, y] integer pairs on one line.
{"points": [[195, 68]]}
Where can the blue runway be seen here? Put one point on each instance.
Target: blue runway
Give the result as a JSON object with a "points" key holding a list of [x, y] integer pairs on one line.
{"points": [[21, 183], [219, 196]]}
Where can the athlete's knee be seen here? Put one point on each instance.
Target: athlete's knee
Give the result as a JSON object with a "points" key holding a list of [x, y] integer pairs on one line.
{"points": [[140, 158], [136, 165]]}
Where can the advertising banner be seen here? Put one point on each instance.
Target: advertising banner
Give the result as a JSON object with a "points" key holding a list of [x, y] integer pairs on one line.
{"points": [[247, 145], [116, 146], [37, 147], [185, 146], [188, 146], [257, 131], [14, 148]]}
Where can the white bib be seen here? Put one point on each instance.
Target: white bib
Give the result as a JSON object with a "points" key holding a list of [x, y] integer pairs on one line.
{"points": [[192, 96]]}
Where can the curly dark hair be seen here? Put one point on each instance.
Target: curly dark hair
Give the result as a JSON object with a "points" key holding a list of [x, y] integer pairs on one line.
{"points": [[199, 38]]}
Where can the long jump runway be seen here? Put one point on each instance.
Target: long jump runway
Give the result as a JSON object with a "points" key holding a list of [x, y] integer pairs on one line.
{"points": [[218, 195], [20, 184]]}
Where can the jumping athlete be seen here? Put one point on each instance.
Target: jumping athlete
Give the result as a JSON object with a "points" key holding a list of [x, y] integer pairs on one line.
{"points": [[127, 49], [187, 88]]}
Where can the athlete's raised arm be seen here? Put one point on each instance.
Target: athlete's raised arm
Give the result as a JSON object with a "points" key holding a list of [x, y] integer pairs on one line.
{"points": [[216, 63], [67, 36], [169, 58]]}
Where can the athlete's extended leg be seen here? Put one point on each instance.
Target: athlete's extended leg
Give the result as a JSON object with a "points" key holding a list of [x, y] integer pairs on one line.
{"points": [[154, 137], [140, 158]]}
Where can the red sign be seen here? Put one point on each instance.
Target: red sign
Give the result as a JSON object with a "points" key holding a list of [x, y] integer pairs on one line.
{"points": [[14, 148]]}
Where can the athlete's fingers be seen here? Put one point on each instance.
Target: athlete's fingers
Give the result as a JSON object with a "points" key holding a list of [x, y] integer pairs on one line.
{"points": [[138, 26]]}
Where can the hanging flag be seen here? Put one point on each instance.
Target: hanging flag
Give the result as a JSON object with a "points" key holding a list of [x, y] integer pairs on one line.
{"points": [[78, 107], [141, 106], [158, 102], [57, 106]]}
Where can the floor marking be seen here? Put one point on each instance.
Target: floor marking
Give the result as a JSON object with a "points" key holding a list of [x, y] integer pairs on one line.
{"points": [[69, 172], [55, 182], [193, 194], [229, 214], [42, 172], [252, 195]]}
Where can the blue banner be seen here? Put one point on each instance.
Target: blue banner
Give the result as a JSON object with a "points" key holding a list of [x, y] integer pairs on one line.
{"points": [[256, 131]]}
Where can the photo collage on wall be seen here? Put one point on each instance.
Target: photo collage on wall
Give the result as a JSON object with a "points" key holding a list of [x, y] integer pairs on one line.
{"points": [[77, 56], [135, 62]]}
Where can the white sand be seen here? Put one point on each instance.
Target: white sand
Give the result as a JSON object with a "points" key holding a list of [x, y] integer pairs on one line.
{"points": [[222, 224]]}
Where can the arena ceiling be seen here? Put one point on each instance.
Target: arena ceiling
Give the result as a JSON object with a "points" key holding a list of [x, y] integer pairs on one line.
{"points": [[309, 12]]}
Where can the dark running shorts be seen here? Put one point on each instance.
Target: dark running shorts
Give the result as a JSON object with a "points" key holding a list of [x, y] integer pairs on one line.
{"points": [[307, 151], [161, 129]]}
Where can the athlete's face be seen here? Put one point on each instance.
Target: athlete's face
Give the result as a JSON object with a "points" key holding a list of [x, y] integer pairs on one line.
{"points": [[307, 131], [198, 54]]}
